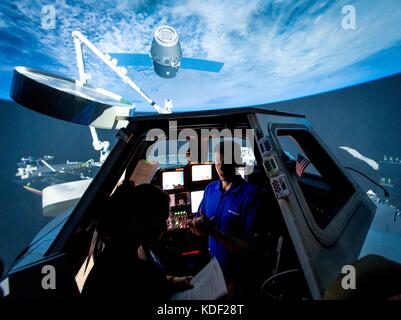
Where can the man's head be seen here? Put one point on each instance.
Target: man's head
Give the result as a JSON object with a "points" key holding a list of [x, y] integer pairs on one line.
{"points": [[225, 156], [136, 215]]}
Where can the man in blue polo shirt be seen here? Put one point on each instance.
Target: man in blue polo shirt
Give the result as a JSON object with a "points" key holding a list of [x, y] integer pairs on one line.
{"points": [[227, 214]]}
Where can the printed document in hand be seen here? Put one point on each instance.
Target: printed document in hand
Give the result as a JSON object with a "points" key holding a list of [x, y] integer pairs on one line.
{"points": [[209, 284]]}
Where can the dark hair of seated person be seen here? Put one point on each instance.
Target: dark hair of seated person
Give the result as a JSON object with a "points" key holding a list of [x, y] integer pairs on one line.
{"points": [[133, 216]]}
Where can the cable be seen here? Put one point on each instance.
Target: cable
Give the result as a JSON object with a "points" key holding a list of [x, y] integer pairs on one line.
{"points": [[275, 276], [386, 193]]}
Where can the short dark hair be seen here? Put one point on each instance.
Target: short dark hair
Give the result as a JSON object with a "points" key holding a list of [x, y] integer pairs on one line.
{"points": [[222, 146], [144, 205]]}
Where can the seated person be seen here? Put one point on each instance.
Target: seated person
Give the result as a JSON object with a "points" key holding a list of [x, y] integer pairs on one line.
{"points": [[134, 218]]}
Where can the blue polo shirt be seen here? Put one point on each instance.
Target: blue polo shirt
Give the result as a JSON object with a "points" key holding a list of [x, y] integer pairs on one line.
{"points": [[233, 213]]}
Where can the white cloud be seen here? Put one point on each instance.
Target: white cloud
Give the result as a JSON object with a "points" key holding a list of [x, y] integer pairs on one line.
{"points": [[272, 49], [355, 153]]}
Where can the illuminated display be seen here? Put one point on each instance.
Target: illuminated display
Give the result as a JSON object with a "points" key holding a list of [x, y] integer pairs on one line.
{"points": [[172, 200], [173, 180], [196, 199], [177, 220], [202, 172]]}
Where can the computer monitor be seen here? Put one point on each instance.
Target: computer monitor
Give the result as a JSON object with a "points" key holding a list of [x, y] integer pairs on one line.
{"points": [[196, 199], [173, 180], [201, 172]]}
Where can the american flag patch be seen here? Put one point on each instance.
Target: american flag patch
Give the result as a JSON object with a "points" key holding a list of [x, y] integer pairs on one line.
{"points": [[301, 165]]}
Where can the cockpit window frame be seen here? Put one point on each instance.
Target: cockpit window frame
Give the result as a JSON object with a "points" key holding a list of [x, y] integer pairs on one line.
{"points": [[328, 235]]}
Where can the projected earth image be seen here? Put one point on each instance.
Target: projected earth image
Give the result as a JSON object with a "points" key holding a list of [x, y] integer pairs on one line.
{"points": [[271, 50], [336, 62]]}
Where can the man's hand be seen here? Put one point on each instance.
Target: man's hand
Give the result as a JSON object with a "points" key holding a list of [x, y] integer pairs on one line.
{"points": [[180, 283], [201, 226]]}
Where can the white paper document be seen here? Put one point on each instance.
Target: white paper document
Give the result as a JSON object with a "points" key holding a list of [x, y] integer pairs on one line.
{"points": [[144, 172], [209, 284]]}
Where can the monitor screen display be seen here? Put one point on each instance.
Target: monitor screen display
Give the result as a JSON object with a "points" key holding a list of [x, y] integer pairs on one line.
{"points": [[196, 199], [202, 172], [173, 180]]}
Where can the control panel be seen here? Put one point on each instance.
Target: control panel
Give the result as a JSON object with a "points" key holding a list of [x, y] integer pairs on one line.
{"points": [[185, 186], [180, 214]]}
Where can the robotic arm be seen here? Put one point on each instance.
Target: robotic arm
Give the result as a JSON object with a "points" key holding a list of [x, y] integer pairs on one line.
{"points": [[102, 146], [79, 39]]}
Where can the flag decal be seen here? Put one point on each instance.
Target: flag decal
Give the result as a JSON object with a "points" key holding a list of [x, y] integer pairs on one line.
{"points": [[301, 165]]}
